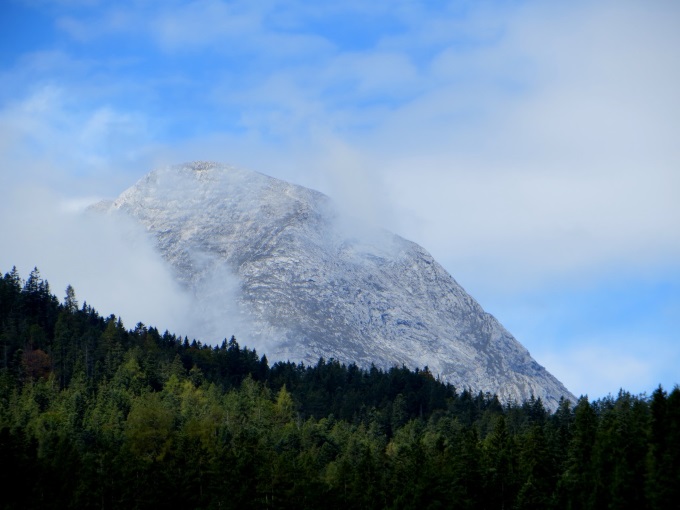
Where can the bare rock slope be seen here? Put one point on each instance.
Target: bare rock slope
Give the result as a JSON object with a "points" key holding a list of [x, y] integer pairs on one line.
{"points": [[307, 285]]}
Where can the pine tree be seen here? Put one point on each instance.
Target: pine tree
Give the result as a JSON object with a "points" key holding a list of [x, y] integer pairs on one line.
{"points": [[70, 301]]}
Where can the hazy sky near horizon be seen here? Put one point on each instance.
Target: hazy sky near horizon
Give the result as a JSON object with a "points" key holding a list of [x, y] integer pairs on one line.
{"points": [[531, 147]]}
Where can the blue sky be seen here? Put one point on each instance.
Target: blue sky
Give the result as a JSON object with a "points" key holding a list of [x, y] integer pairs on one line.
{"points": [[530, 146]]}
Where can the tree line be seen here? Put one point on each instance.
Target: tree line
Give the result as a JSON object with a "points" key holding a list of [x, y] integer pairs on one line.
{"points": [[96, 415]]}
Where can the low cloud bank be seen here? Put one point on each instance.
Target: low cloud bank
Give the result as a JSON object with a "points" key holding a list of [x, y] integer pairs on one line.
{"points": [[109, 261]]}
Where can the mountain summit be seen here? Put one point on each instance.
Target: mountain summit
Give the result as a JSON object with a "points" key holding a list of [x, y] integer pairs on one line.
{"points": [[300, 281]]}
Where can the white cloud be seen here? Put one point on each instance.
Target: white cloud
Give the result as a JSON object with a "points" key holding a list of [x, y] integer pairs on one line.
{"points": [[111, 264], [569, 167], [519, 144], [50, 137], [56, 157], [380, 75], [205, 22]]}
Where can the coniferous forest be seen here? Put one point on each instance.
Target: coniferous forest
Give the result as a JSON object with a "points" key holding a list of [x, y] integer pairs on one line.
{"points": [[94, 415]]}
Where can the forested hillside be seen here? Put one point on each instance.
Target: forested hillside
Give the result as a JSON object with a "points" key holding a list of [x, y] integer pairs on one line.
{"points": [[96, 415]]}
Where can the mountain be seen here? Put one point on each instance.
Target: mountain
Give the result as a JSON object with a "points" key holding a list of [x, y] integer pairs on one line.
{"points": [[278, 264]]}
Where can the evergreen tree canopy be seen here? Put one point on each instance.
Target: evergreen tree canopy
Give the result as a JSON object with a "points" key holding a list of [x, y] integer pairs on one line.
{"points": [[95, 415]]}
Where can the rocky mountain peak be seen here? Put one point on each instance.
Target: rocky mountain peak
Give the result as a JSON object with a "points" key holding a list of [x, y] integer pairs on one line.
{"points": [[297, 281]]}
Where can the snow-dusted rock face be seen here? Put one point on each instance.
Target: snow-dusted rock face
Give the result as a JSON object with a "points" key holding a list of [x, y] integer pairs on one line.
{"points": [[305, 283]]}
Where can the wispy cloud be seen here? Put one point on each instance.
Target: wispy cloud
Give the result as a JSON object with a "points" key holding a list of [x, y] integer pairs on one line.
{"points": [[111, 264], [542, 133], [195, 25], [48, 129]]}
